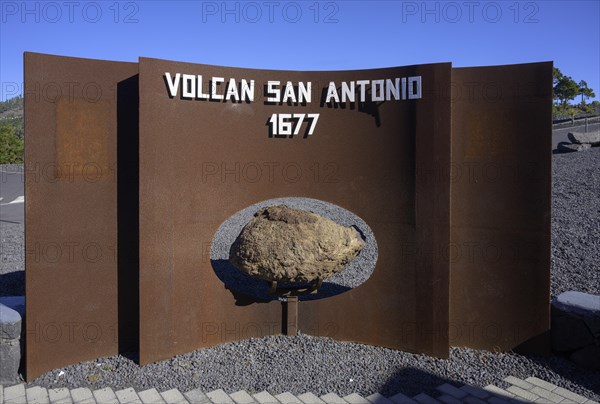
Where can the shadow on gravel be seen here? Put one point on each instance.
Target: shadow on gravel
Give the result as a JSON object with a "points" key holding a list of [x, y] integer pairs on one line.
{"points": [[411, 382], [562, 366], [559, 151], [13, 284]]}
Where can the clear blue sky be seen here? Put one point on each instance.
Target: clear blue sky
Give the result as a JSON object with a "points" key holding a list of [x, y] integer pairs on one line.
{"points": [[306, 35]]}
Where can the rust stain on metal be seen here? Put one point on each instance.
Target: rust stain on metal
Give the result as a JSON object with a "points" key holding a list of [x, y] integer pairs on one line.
{"points": [[82, 131], [70, 214]]}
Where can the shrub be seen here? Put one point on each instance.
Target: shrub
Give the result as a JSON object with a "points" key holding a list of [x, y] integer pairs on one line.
{"points": [[11, 147]]}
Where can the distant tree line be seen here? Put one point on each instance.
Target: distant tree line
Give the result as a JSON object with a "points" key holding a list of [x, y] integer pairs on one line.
{"points": [[15, 104]]}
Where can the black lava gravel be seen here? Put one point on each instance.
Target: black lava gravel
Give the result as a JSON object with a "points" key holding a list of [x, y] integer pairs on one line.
{"points": [[12, 265], [576, 222], [306, 363], [320, 365]]}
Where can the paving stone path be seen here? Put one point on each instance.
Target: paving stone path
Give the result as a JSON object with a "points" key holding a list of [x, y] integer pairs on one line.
{"points": [[530, 390]]}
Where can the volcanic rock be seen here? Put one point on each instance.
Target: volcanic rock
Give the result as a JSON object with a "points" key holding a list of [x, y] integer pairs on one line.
{"points": [[290, 245], [592, 138]]}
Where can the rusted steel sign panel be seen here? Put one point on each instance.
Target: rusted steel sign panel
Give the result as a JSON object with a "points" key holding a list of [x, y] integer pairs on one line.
{"points": [[71, 216], [501, 202], [195, 154], [207, 142]]}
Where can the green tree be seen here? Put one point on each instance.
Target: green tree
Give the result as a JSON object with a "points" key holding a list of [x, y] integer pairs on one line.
{"points": [[556, 75], [585, 91], [11, 147], [565, 89], [15, 122]]}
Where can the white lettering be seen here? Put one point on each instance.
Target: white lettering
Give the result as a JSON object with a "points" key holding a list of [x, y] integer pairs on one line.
{"points": [[248, 90], [201, 94], [414, 87], [392, 88], [273, 93], [288, 93], [332, 93], [304, 92], [362, 84], [193, 87], [377, 90], [213, 91], [348, 92], [189, 86], [232, 91], [173, 84]]}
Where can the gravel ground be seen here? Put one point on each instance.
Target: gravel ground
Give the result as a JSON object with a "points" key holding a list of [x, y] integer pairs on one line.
{"points": [[305, 363], [576, 222], [12, 265]]}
